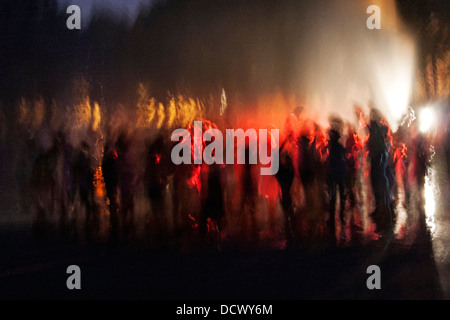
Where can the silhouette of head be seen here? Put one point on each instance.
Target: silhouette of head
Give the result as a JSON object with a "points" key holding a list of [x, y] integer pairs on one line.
{"points": [[375, 114]]}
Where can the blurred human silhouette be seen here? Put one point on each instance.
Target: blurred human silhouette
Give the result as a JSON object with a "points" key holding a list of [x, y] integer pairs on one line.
{"points": [[156, 178], [110, 169], [127, 182], [419, 163], [353, 147], [337, 175], [84, 172], [44, 189], [67, 186], [383, 214], [401, 175], [308, 167], [285, 177], [212, 206]]}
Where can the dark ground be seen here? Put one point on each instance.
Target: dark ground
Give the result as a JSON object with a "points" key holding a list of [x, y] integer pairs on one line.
{"points": [[143, 273], [417, 269]]}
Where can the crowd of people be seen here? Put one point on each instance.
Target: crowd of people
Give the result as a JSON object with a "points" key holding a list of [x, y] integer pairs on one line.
{"points": [[326, 180]]}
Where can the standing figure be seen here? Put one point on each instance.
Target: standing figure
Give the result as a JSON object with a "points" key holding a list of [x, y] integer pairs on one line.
{"points": [[308, 164], [285, 177], [419, 164], [84, 172], [383, 215], [212, 206], [127, 182], [44, 189], [353, 148], [337, 172], [110, 169], [156, 176], [401, 174], [67, 186]]}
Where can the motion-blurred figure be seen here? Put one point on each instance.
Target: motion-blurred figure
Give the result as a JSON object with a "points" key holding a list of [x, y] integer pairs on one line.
{"points": [[337, 173], [353, 147], [110, 169], [67, 186], [127, 182], [309, 167], [84, 176], [383, 214], [44, 188], [401, 174], [156, 176], [419, 164], [212, 206], [285, 177], [186, 194]]}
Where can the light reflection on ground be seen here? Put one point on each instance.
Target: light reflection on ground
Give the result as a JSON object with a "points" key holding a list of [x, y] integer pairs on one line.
{"points": [[431, 189], [437, 218]]}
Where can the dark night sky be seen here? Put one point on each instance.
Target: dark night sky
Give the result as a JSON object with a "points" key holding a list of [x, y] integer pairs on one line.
{"points": [[248, 47]]}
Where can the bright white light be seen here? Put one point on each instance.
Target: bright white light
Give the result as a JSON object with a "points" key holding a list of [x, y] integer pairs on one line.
{"points": [[393, 71], [427, 119], [430, 202]]}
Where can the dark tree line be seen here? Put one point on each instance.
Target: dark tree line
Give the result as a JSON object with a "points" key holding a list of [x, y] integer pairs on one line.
{"points": [[429, 21]]}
